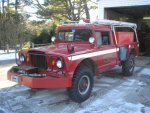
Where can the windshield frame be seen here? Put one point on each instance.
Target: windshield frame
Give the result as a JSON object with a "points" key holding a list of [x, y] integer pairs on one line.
{"points": [[73, 41]]}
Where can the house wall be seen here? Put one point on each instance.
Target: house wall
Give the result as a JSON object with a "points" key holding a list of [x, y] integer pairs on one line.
{"points": [[102, 4]]}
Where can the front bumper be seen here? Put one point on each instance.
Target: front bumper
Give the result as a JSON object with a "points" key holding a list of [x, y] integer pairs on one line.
{"points": [[39, 82]]}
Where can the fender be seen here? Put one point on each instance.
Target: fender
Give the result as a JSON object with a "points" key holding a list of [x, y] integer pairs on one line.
{"points": [[132, 50], [74, 64], [128, 49]]}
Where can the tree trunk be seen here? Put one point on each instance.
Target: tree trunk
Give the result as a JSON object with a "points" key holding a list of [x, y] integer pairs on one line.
{"points": [[8, 4], [3, 10], [72, 10], [0, 8], [79, 10], [16, 6], [86, 9]]}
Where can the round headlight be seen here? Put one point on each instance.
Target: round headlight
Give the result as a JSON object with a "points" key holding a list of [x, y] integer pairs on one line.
{"points": [[59, 64], [22, 58]]}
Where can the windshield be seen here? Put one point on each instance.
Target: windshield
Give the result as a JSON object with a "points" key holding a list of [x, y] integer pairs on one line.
{"points": [[75, 35]]}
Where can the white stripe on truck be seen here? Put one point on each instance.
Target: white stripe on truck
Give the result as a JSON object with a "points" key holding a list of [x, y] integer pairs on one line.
{"points": [[93, 54]]}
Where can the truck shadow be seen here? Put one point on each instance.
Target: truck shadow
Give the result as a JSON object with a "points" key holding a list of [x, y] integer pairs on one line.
{"points": [[113, 73]]}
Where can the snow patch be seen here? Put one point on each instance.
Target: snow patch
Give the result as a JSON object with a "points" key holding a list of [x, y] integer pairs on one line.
{"points": [[125, 107], [130, 82], [9, 56], [143, 70], [6, 84], [20, 98], [18, 89], [147, 109], [4, 110], [5, 52], [142, 84], [103, 85], [5, 56]]}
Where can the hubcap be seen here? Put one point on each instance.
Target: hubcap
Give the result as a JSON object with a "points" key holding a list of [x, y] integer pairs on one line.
{"points": [[84, 84]]}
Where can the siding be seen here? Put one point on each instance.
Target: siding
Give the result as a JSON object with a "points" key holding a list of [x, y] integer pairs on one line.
{"points": [[102, 4], [120, 3]]}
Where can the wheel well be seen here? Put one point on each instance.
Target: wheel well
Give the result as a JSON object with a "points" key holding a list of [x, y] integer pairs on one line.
{"points": [[89, 63]]}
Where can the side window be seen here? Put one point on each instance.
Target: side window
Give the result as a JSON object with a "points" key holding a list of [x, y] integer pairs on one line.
{"points": [[69, 36], [61, 36], [103, 38], [99, 38]]}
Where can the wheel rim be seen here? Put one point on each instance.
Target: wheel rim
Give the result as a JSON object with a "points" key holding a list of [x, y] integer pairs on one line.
{"points": [[131, 65], [84, 84]]}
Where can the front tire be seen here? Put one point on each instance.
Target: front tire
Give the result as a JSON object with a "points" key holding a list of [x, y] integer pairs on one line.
{"points": [[82, 85], [128, 66]]}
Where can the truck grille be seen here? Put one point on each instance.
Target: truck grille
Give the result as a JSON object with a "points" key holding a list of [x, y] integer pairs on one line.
{"points": [[38, 59]]}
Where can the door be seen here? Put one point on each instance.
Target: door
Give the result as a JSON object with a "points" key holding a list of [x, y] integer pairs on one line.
{"points": [[107, 53]]}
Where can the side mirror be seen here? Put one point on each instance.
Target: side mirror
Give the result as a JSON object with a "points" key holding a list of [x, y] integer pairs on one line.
{"points": [[53, 39], [91, 40]]}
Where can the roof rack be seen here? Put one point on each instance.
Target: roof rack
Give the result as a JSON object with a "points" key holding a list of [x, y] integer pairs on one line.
{"points": [[68, 22], [115, 23], [101, 22]]}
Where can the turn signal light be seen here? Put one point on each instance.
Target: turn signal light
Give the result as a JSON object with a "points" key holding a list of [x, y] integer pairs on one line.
{"points": [[53, 62], [27, 58]]}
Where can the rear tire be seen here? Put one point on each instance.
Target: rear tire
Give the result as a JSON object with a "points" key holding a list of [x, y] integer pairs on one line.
{"points": [[128, 66], [82, 84]]}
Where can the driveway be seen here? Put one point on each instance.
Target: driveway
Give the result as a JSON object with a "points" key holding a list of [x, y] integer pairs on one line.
{"points": [[112, 93]]}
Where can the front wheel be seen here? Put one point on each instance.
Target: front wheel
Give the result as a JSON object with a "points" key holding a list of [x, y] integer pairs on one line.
{"points": [[128, 66], [82, 85]]}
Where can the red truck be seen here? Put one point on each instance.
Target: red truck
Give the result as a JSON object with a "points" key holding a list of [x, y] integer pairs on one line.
{"points": [[80, 52]]}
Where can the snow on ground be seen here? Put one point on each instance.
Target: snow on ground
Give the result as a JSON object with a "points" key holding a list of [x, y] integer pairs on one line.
{"points": [[9, 56], [5, 84], [5, 52], [114, 101], [143, 71], [56, 100], [112, 93], [4, 56], [143, 61], [3, 70]]}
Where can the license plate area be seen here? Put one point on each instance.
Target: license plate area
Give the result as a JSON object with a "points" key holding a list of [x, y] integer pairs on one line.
{"points": [[16, 78]]}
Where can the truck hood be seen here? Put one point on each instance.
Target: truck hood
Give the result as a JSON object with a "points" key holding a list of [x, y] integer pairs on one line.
{"points": [[61, 49]]}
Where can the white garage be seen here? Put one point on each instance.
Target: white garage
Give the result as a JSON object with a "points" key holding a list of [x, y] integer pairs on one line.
{"points": [[137, 11]]}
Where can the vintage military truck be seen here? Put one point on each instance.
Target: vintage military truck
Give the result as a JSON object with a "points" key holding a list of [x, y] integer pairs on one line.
{"points": [[80, 52]]}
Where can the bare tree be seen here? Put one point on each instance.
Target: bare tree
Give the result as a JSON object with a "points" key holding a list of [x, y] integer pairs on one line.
{"points": [[16, 6], [8, 4], [86, 9], [12, 25], [63, 9], [3, 1]]}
